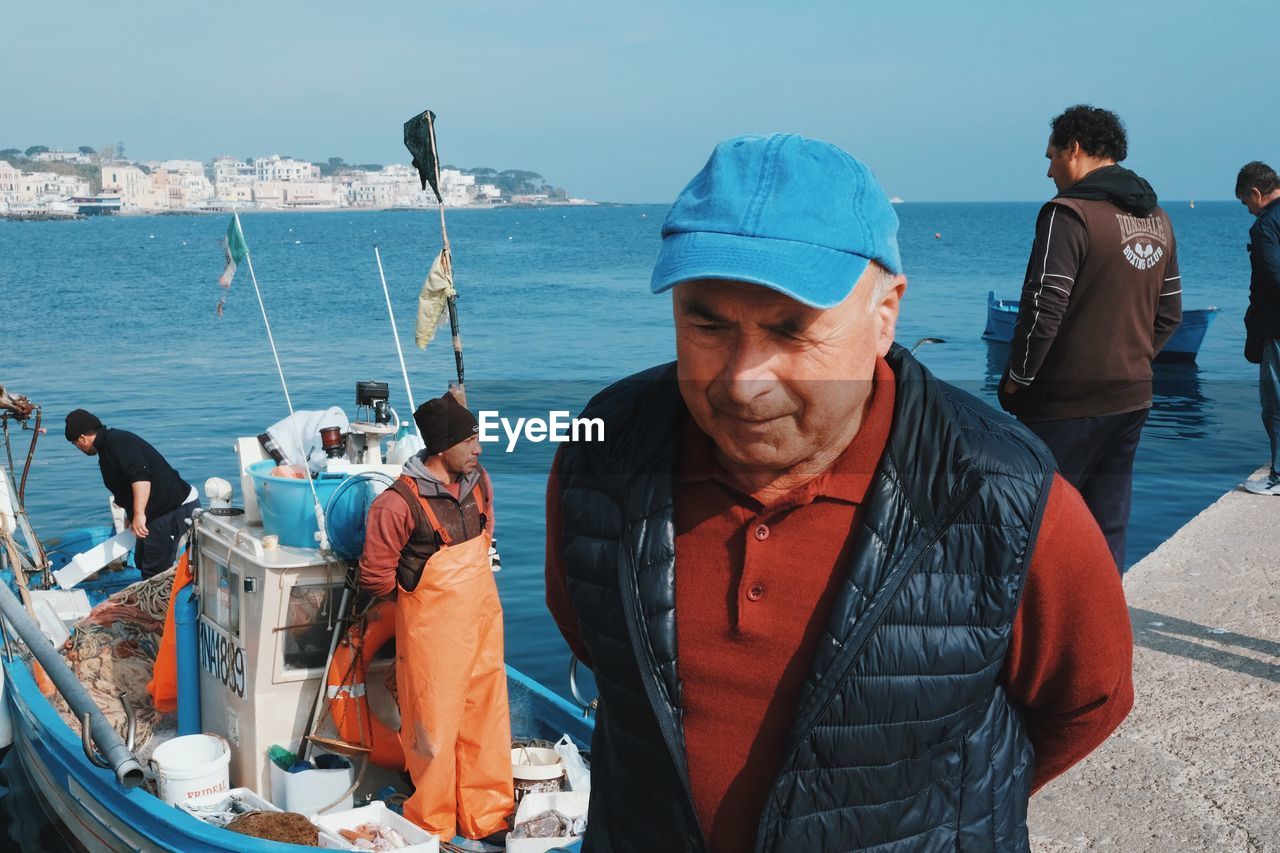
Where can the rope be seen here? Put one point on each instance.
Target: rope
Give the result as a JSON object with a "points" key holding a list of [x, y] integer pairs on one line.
{"points": [[324, 536], [114, 648], [31, 452], [15, 563]]}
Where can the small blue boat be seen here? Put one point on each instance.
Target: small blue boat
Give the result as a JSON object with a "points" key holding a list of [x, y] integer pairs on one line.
{"points": [[1002, 316], [261, 658]]}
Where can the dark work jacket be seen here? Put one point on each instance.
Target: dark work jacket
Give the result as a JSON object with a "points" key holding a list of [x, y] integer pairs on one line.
{"points": [[462, 521], [903, 738], [1262, 319], [125, 459]]}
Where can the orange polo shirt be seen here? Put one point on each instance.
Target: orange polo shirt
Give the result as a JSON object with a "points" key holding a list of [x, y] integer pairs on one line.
{"points": [[755, 585]]}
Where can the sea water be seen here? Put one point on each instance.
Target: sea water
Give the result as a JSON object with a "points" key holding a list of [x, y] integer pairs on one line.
{"points": [[118, 315]]}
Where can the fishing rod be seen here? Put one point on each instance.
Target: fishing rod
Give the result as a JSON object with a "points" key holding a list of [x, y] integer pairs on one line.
{"points": [[236, 245], [420, 139], [404, 371]]}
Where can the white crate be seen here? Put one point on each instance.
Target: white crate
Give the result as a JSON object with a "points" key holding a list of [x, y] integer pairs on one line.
{"points": [[571, 804], [309, 790], [254, 801], [420, 841], [247, 796]]}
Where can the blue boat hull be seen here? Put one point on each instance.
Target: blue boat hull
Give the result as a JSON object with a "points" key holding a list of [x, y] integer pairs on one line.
{"points": [[95, 814], [1002, 316]]}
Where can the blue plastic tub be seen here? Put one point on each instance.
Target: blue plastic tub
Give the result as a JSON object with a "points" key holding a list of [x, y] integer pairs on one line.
{"points": [[288, 510]]}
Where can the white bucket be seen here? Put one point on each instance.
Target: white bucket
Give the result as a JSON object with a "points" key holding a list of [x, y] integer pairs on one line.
{"points": [[191, 766], [535, 769]]}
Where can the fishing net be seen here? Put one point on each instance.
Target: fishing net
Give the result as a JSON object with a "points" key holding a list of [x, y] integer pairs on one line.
{"points": [[288, 827], [113, 650]]}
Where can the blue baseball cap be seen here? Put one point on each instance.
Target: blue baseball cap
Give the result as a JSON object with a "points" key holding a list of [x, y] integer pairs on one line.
{"points": [[796, 215]]}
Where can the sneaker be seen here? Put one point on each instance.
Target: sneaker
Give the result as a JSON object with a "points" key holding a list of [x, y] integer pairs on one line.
{"points": [[1264, 485]]}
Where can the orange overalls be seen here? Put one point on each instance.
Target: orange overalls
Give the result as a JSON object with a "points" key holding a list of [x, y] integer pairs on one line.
{"points": [[455, 723]]}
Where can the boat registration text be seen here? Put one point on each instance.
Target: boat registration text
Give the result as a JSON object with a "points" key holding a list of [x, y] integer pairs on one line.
{"points": [[222, 658]]}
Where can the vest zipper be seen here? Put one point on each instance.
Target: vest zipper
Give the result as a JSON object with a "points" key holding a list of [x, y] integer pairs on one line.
{"points": [[666, 723], [769, 810]]}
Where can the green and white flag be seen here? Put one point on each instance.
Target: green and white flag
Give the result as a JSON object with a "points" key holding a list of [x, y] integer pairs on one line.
{"points": [[235, 249]]}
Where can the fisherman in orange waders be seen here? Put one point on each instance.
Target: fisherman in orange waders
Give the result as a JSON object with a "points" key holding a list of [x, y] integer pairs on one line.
{"points": [[427, 543]]}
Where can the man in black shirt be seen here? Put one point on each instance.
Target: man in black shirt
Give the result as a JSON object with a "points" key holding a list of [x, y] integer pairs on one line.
{"points": [[157, 502]]}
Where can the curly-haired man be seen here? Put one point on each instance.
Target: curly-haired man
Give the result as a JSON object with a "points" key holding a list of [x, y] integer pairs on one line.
{"points": [[1102, 295]]}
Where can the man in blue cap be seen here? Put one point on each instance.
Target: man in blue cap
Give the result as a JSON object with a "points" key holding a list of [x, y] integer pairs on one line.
{"points": [[831, 603]]}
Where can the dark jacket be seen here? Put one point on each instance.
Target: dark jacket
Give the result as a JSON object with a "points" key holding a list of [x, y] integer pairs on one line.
{"points": [[903, 734], [1102, 295], [462, 519], [125, 459], [398, 537], [1262, 319]]}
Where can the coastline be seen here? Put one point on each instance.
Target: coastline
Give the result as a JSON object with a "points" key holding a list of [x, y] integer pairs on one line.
{"points": [[27, 216]]}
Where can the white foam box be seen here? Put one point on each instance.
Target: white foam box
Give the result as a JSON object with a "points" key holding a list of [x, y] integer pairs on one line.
{"points": [[249, 797], [571, 804], [420, 841], [254, 801], [71, 605], [311, 790]]}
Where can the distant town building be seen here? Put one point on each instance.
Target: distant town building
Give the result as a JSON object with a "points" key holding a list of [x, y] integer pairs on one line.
{"points": [[277, 168], [10, 181], [296, 194], [65, 157], [131, 184], [272, 182], [36, 188]]}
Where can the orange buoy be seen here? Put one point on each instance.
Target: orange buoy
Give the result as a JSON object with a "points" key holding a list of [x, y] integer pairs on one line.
{"points": [[348, 698]]}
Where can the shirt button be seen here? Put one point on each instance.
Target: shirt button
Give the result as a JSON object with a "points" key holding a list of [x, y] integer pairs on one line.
{"points": [[762, 532], [756, 592]]}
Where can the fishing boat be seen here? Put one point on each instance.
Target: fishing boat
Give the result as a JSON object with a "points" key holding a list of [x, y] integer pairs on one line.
{"points": [[275, 700], [1002, 316], [257, 634]]}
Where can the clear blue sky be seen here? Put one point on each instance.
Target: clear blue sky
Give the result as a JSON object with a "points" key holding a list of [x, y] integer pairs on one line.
{"points": [[623, 101]]}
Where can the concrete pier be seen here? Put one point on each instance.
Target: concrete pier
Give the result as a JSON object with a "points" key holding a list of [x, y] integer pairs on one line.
{"points": [[1196, 766]]}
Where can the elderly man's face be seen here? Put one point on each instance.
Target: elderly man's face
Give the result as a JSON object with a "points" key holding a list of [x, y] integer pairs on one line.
{"points": [[772, 381]]}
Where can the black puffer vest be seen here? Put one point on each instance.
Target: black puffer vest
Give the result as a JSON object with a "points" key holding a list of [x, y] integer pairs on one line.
{"points": [[903, 738]]}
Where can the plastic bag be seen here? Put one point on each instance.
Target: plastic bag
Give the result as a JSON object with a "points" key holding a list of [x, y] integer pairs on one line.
{"points": [[575, 769]]}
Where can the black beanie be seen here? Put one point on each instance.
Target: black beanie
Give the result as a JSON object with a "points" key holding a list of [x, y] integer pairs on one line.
{"points": [[79, 422], [444, 422]]}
